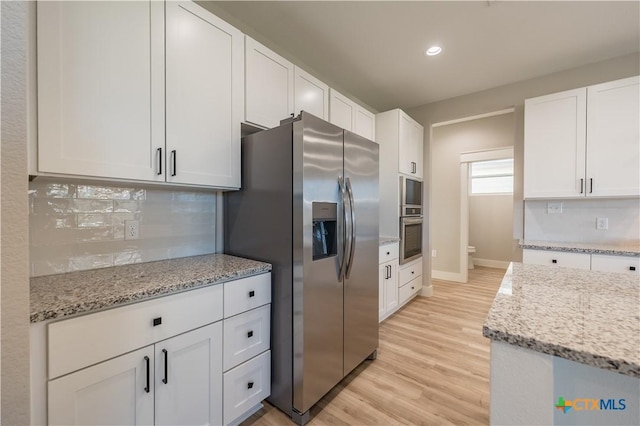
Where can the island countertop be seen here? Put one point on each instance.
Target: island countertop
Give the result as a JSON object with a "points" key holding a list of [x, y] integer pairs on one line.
{"points": [[55, 296], [589, 317]]}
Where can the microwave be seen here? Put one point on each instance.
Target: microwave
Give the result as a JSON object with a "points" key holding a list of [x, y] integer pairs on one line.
{"points": [[410, 196]]}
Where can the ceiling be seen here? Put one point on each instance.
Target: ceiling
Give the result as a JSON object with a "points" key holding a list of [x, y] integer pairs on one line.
{"points": [[375, 50]]}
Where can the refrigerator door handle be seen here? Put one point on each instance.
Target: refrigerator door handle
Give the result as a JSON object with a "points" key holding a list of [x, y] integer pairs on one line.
{"points": [[344, 240], [352, 238]]}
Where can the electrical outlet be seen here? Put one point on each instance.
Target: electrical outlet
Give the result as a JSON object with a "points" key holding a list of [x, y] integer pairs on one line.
{"points": [[131, 230], [602, 223], [554, 208], [434, 253]]}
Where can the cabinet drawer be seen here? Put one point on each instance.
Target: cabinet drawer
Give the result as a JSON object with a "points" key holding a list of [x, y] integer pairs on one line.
{"points": [[246, 294], [411, 272], [557, 258], [408, 290], [246, 385], [79, 342], [623, 264], [388, 252], [246, 335]]}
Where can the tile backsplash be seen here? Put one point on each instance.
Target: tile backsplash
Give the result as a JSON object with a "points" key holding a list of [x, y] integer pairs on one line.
{"points": [[75, 225], [577, 222]]}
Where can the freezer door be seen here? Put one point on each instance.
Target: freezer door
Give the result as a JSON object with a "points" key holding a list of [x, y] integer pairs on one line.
{"points": [[361, 283], [317, 291]]}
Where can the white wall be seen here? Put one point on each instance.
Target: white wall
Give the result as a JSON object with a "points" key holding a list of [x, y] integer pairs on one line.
{"points": [[577, 222], [448, 142], [490, 228], [14, 214], [77, 225]]}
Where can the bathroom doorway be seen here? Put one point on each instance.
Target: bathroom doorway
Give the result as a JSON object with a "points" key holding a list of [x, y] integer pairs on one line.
{"points": [[479, 138]]}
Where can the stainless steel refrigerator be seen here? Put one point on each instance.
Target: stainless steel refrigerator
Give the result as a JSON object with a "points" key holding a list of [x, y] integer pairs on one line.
{"points": [[309, 206]]}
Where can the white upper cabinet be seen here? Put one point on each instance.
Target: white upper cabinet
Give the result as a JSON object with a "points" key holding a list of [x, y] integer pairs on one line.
{"points": [[205, 97], [111, 105], [310, 95], [342, 110], [613, 138], [411, 135], [583, 142], [345, 113], [100, 88], [268, 85], [365, 123], [554, 144]]}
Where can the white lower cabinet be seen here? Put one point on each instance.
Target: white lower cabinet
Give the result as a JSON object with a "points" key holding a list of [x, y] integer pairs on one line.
{"points": [[594, 262], [409, 281], [114, 392], [622, 264], [191, 350], [557, 258], [387, 280]]}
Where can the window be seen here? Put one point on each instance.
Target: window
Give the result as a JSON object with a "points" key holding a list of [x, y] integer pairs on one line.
{"points": [[491, 177]]}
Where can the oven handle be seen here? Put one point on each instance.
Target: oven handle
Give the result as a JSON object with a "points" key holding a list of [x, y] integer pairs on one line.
{"points": [[411, 220]]}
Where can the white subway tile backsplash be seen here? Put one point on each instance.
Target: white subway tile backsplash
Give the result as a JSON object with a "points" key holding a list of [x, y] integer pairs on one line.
{"points": [[577, 222], [78, 225]]}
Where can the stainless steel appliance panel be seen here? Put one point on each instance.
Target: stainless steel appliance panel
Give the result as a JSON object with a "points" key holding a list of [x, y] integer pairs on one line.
{"points": [[410, 238], [361, 282], [317, 291]]}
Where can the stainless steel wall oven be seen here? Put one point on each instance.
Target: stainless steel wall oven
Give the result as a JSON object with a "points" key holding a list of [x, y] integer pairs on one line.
{"points": [[410, 219]]}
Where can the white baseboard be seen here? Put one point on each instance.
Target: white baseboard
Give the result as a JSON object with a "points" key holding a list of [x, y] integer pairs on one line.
{"points": [[491, 263], [448, 276]]}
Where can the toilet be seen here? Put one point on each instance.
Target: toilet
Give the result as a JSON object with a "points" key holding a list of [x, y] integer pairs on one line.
{"points": [[470, 250]]}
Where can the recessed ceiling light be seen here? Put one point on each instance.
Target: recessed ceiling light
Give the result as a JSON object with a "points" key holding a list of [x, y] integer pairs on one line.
{"points": [[433, 50]]}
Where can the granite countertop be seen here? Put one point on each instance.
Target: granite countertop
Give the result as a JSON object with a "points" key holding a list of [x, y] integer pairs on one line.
{"points": [[56, 296], [622, 249], [589, 317], [388, 240]]}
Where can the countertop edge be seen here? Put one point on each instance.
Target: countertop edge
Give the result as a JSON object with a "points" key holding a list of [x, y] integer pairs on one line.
{"points": [[598, 361], [101, 304], [567, 247]]}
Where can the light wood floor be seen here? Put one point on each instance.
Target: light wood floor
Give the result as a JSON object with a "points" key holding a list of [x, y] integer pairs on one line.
{"points": [[432, 366]]}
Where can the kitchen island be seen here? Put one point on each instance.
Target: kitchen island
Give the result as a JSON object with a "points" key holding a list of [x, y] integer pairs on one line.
{"points": [[565, 333]]}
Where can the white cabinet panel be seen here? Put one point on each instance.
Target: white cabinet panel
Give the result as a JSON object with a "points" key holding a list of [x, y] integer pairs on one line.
{"points": [[116, 392], [388, 252], [622, 264], [410, 272], [409, 290], [310, 94], [245, 294], [554, 147], [365, 123], [246, 335], [100, 88], [410, 146], [557, 258], [613, 138], [204, 97], [188, 368], [268, 85], [342, 110], [246, 385]]}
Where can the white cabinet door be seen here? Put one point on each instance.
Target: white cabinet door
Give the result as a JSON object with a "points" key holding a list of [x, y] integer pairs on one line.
{"points": [[621, 264], [554, 145], [365, 123], [100, 88], [204, 97], [388, 289], [410, 146], [115, 392], [188, 377], [557, 258], [613, 138], [310, 94], [268, 85], [342, 110], [383, 272]]}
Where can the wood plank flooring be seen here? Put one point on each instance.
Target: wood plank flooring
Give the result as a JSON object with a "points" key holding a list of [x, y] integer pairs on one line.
{"points": [[432, 366]]}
